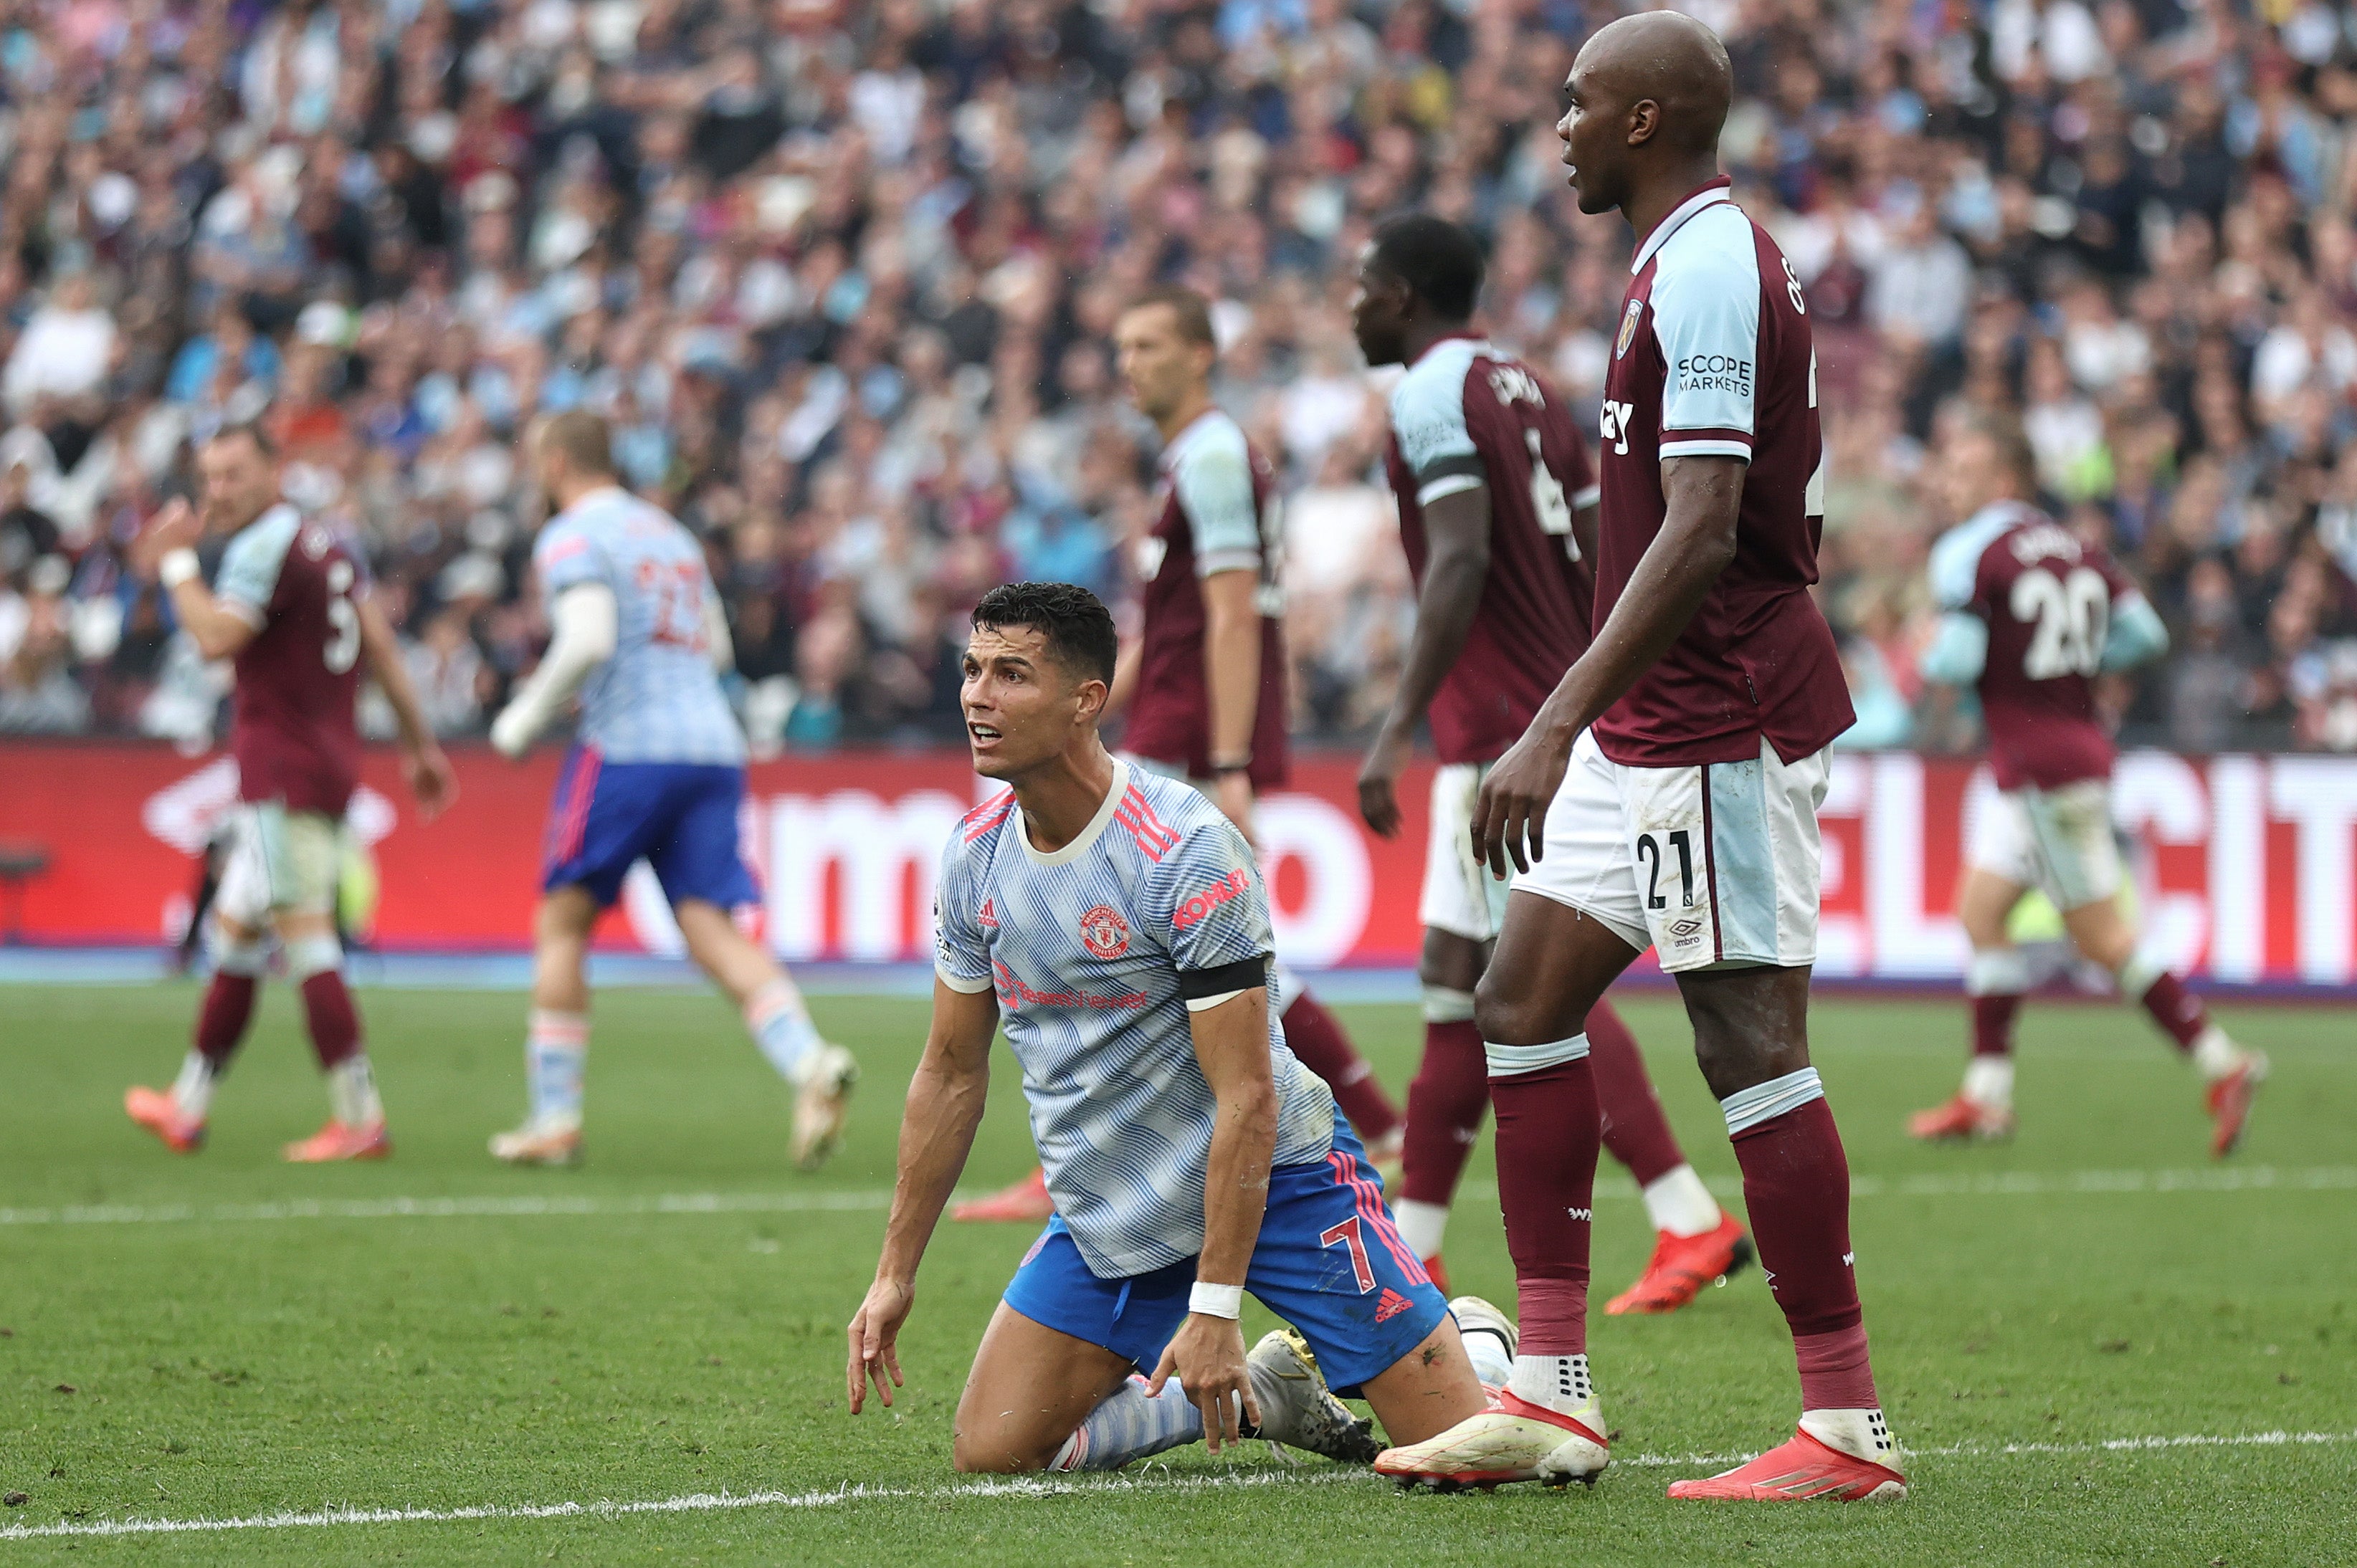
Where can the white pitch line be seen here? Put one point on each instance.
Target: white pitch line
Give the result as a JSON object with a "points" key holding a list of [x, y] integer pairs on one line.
{"points": [[1028, 1488], [1994, 1184]]}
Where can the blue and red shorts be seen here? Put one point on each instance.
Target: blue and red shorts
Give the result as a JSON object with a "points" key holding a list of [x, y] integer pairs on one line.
{"points": [[679, 817], [1330, 1261]]}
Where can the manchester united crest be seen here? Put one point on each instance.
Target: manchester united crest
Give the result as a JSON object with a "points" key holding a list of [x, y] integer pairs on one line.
{"points": [[1629, 327], [1104, 932]]}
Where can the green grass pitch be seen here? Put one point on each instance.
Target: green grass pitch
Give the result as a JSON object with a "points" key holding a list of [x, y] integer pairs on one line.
{"points": [[225, 1337]]}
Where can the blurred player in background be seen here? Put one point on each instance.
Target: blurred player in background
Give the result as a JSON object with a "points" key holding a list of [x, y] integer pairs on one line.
{"points": [[1666, 794], [1496, 508], [1113, 919], [2032, 615], [291, 607], [1204, 683], [657, 772]]}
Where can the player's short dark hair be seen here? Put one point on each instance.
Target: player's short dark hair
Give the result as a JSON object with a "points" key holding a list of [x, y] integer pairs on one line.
{"points": [[249, 431], [1078, 627], [1189, 308], [1440, 261]]}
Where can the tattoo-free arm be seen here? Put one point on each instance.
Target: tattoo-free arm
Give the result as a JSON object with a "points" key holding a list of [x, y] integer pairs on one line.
{"points": [[1697, 538], [1232, 637], [217, 631]]}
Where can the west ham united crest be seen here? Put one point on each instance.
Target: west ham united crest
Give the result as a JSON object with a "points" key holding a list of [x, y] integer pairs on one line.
{"points": [[1104, 932], [1629, 327]]}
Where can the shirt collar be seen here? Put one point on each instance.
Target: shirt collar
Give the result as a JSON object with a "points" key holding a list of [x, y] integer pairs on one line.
{"points": [[1170, 449], [1708, 195], [2008, 511], [1480, 345], [1088, 836]]}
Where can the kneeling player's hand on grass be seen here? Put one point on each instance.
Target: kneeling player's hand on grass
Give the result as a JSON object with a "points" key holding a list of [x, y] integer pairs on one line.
{"points": [[1511, 811], [1207, 1355], [874, 1336]]}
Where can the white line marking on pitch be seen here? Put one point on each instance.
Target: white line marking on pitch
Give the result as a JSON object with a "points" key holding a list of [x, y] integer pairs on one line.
{"points": [[1993, 1183], [1028, 1487]]}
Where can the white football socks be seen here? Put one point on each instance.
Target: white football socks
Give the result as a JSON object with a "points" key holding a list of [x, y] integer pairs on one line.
{"points": [[351, 1093], [1677, 1202], [1988, 1082], [192, 1091], [781, 1027], [1494, 1363], [1129, 1424], [555, 1060], [2215, 1056], [1421, 1226], [1559, 1383], [1861, 1433]]}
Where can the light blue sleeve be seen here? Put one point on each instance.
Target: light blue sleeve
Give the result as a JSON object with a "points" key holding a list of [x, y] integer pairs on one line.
{"points": [[2136, 635], [1428, 417], [1213, 479], [250, 566], [1959, 649], [1208, 899], [1707, 320], [1955, 565], [566, 557], [961, 957]]}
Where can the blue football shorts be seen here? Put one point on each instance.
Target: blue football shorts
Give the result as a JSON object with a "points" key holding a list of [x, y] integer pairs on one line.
{"points": [[679, 817], [1330, 1261]]}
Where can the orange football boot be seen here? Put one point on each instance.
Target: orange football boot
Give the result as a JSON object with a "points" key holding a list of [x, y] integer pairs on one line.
{"points": [[2230, 1104], [337, 1142], [160, 1114], [1027, 1199], [1682, 1265], [1798, 1471], [1961, 1118]]}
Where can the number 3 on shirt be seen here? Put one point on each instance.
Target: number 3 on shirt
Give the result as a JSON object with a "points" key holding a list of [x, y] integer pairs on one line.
{"points": [[343, 647]]}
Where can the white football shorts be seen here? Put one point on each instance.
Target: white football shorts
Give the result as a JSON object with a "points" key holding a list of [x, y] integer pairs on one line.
{"points": [[1460, 896], [1715, 864], [279, 859], [2059, 841]]}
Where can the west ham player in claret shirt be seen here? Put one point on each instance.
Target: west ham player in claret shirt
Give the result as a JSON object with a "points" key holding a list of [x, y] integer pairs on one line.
{"points": [[1203, 685], [1113, 920], [1686, 819], [291, 607], [1496, 508], [2030, 616]]}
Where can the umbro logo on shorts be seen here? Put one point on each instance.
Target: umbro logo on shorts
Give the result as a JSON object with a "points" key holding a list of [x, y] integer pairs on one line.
{"points": [[1390, 1304], [1685, 931]]}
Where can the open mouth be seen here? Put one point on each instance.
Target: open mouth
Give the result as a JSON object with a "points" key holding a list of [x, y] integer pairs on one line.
{"points": [[981, 733]]}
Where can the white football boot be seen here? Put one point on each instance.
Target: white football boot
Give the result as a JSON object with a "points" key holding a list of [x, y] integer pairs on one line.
{"points": [[1297, 1409], [821, 1104]]}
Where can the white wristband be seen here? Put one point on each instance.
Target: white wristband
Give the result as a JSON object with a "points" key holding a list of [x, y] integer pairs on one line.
{"points": [[177, 566], [1217, 1301]]}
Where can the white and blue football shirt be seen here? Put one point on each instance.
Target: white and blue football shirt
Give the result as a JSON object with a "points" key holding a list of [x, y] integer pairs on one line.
{"points": [[658, 698], [1097, 952]]}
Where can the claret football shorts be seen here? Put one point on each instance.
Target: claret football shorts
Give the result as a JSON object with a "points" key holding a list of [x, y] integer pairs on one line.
{"points": [[1459, 893], [1330, 1261], [1715, 864], [2059, 840]]}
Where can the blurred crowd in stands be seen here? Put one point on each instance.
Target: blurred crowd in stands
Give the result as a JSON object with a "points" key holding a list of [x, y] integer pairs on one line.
{"points": [[841, 273]]}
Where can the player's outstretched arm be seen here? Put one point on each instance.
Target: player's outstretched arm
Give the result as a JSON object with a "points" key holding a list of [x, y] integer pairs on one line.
{"points": [[1704, 497], [937, 1127], [1456, 564], [428, 772], [1208, 1352]]}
